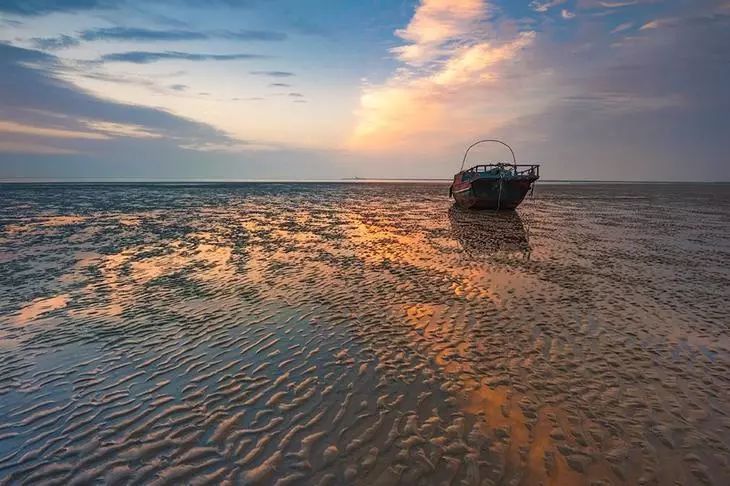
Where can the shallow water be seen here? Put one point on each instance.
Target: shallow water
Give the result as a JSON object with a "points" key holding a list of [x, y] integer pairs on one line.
{"points": [[363, 334]]}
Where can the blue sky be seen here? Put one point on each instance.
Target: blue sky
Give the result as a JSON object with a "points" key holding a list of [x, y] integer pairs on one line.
{"points": [[292, 89]]}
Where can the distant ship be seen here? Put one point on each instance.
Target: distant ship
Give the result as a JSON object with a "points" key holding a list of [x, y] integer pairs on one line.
{"points": [[495, 185]]}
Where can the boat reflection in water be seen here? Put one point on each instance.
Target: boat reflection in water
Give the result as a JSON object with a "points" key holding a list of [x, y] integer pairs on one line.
{"points": [[483, 233]]}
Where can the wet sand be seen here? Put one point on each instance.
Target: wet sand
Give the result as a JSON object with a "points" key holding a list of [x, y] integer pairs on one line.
{"points": [[363, 334]]}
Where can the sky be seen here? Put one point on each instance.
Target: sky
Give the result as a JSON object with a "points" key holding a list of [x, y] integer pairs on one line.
{"points": [[326, 89]]}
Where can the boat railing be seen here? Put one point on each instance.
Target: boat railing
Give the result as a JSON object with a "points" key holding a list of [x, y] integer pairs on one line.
{"points": [[515, 169]]}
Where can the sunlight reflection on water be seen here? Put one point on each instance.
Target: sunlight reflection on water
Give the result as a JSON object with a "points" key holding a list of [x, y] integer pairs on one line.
{"points": [[356, 333]]}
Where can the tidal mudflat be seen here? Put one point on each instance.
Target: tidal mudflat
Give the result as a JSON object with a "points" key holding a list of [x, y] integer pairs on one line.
{"points": [[363, 334]]}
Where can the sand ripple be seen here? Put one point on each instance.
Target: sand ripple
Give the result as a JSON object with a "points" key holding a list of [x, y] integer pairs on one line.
{"points": [[363, 334]]}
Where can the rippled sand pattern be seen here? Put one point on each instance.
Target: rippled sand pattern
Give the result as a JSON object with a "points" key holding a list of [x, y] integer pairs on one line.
{"points": [[363, 334]]}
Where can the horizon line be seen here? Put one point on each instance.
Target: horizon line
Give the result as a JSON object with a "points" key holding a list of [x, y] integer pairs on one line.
{"points": [[346, 180]]}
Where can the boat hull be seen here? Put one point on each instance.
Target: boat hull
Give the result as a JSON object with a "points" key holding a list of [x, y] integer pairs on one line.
{"points": [[489, 193]]}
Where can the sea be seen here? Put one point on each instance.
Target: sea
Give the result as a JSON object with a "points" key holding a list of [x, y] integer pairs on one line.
{"points": [[348, 333]]}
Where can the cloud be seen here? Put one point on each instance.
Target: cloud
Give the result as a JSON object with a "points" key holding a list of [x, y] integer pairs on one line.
{"points": [[434, 25], [51, 43], [617, 4], [642, 109], [658, 23], [657, 97], [273, 74], [41, 105], [152, 35], [254, 35], [609, 7], [40, 7], [19, 128], [179, 87], [148, 82], [43, 7], [296, 95], [33, 148], [280, 85], [446, 64], [127, 130], [228, 147], [622, 27], [148, 35], [146, 57], [138, 34], [567, 14], [11, 22], [538, 6]]}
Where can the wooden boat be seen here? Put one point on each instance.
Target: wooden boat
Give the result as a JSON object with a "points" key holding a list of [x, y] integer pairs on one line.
{"points": [[498, 185]]}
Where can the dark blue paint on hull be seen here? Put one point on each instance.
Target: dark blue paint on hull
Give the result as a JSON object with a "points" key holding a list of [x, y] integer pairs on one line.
{"points": [[485, 193]]}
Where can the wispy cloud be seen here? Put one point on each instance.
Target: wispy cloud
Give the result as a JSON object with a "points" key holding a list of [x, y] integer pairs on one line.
{"points": [[618, 4], [280, 85], [43, 7], [146, 57], [544, 6], [658, 23], [43, 106], [40, 7], [11, 22], [622, 27], [128, 130], [228, 147], [273, 74], [138, 34], [142, 34], [52, 43], [21, 129], [90, 71], [253, 35], [33, 148]]}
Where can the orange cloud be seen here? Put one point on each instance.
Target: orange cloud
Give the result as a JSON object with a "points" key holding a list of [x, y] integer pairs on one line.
{"points": [[20, 129], [120, 129], [448, 63]]}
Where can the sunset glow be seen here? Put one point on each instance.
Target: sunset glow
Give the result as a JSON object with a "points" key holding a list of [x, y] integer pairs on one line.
{"points": [[314, 90]]}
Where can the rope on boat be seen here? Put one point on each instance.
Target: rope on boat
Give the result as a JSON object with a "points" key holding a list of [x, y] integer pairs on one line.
{"points": [[499, 199], [528, 220]]}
